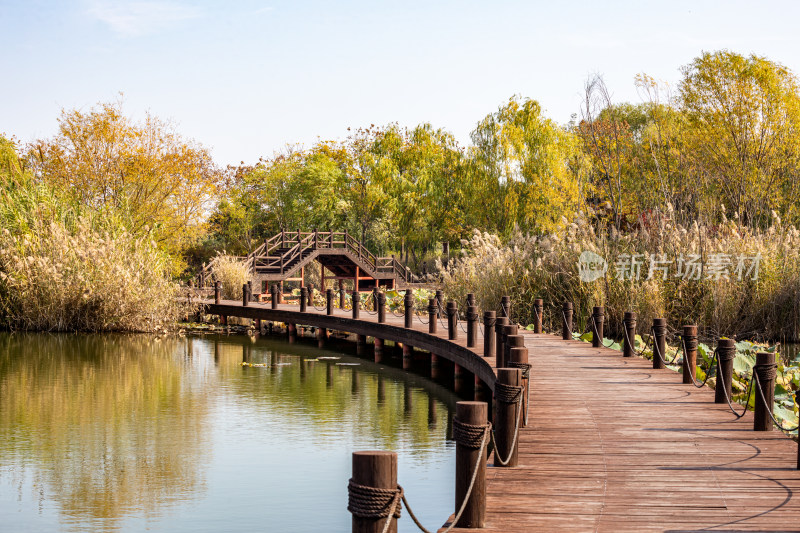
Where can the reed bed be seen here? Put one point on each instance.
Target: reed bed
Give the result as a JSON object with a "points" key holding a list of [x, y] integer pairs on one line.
{"points": [[731, 296], [66, 267]]}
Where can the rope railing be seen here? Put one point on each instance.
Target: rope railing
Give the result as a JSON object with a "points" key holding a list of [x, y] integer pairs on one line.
{"points": [[526, 372], [365, 307], [730, 403], [510, 394], [597, 334], [373, 502], [766, 404]]}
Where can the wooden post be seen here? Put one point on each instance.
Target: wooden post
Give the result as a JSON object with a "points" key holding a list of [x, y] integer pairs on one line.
{"points": [[452, 318], [470, 298], [509, 330], [440, 301], [505, 416], [489, 320], [629, 324], [518, 358], [566, 321], [355, 280], [217, 291], [303, 299], [378, 349], [329, 301], [458, 379], [659, 342], [408, 303], [408, 353], [274, 295], [475, 414], [434, 366], [361, 343], [480, 391], [280, 292], [310, 296], [765, 369], [499, 323], [472, 325], [356, 304], [341, 294], [505, 307], [538, 311], [797, 401], [381, 307], [726, 352], [376, 469], [513, 340], [432, 314], [689, 353], [321, 277], [245, 296], [597, 326]]}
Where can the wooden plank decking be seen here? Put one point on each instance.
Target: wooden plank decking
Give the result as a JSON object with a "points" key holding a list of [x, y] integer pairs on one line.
{"points": [[613, 445]]}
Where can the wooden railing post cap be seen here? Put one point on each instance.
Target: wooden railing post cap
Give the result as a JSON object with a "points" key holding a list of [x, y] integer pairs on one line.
{"points": [[472, 412]]}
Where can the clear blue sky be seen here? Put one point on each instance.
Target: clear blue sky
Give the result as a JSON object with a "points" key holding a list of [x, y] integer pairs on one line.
{"points": [[245, 78]]}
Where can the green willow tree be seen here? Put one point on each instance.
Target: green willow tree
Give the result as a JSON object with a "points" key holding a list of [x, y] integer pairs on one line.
{"points": [[522, 162]]}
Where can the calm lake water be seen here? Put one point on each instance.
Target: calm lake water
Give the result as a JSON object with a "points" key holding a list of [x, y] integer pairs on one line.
{"points": [[132, 433]]}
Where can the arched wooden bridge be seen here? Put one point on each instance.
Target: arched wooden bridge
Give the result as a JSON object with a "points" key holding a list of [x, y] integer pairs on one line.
{"points": [[285, 256], [611, 445]]}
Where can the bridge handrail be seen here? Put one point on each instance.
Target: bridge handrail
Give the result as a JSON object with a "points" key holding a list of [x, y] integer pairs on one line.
{"points": [[282, 248]]}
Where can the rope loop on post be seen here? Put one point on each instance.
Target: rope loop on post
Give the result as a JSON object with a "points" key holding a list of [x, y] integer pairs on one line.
{"points": [[507, 393], [372, 502], [469, 435], [766, 372], [690, 343], [526, 368]]}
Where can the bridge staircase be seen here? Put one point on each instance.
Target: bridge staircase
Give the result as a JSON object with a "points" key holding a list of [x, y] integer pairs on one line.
{"points": [[286, 255]]}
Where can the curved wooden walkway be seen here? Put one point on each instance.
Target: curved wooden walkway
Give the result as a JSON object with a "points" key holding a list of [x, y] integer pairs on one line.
{"points": [[613, 445]]}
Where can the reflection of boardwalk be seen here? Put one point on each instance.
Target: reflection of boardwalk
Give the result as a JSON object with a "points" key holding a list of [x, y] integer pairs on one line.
{"points": [[613, 445]]}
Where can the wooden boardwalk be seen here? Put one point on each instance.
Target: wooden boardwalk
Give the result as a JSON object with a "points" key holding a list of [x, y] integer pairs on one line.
{"points": [[613, 445]]}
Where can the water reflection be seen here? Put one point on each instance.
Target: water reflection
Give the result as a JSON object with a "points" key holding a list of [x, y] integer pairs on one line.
{"points": [[86, 413], [127, 433]]}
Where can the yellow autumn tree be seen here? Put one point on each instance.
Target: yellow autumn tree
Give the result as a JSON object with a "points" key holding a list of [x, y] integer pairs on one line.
{"points": [[524, 162], [146, 172]]}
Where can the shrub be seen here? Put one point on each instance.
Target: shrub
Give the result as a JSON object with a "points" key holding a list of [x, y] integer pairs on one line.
{"points": [[232, 272]]}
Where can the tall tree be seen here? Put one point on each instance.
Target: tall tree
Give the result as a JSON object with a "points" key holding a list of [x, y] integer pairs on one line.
{"points": [[523, 165], [145, 171], [743, 117]]}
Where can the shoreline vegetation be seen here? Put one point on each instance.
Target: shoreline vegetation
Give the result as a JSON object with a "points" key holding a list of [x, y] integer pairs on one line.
{"points": [[100, 223]]}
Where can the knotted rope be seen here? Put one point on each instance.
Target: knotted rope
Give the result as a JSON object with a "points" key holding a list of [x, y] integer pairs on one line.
{"points": [[526, 373], [507, 393], [372, 502], [525, 367], [469, 435], [766, 372]]}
